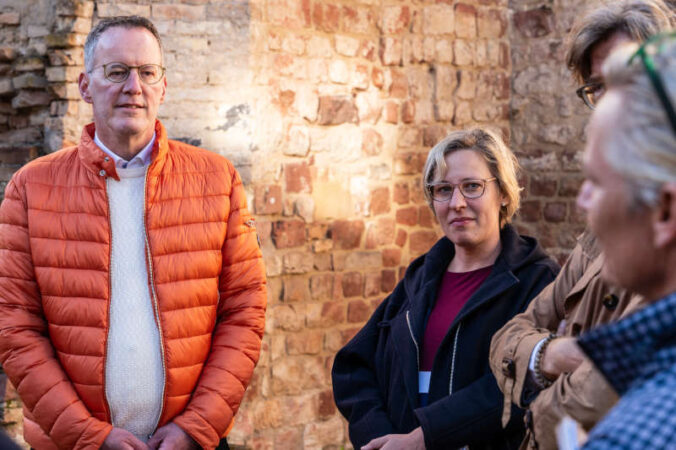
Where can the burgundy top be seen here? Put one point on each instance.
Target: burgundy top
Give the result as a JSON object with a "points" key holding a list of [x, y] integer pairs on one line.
{"points": [[455, 290]]}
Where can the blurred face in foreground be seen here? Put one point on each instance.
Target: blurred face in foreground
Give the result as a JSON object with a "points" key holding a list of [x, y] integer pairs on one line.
{"points": [[625, 231]]}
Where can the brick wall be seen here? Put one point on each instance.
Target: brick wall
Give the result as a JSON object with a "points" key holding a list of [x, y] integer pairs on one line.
{"points": [[328, 109], [547, 121]]}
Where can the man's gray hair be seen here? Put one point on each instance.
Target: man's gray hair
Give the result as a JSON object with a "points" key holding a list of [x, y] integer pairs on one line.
{"points": [[639, 19], [112, 22], [642, 147]]}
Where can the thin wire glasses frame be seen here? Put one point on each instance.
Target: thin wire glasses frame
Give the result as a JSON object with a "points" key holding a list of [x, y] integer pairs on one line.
{"points": [[591, 93], [470, 189], [117, 72], [646, 52]]}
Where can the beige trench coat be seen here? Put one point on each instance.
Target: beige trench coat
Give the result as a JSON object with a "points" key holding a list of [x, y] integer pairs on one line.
{"points": [[579, 296]]}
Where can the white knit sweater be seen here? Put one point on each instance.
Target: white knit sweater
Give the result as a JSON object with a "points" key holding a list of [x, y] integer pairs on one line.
{"points": [[134, 373]]}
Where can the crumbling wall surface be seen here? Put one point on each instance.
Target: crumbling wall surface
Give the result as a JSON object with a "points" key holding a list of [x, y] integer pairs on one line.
{"points": [[328, 109], [547, 120], [352, 96]]}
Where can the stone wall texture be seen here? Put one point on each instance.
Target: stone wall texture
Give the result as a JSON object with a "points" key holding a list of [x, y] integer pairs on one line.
{"points": [[328, 109]]}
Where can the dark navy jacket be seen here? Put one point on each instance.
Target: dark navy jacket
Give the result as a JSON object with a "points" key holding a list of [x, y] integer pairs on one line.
{"points": [[375, 376]]}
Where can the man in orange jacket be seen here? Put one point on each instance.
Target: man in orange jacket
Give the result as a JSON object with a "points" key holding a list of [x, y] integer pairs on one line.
{"points": [[132, 288]]}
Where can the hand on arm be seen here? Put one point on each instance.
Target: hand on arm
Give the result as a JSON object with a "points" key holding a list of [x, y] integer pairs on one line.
{"points": [[562, 355], [415, 440]]}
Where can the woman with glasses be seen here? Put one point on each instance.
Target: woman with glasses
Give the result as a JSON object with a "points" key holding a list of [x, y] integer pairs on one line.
{"points": [[417, 375], [629, 196]]}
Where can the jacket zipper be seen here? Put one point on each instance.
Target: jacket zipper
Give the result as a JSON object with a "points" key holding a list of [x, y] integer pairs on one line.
{"points": [[110, 301], [455, 348], [154, 295], [417, 350]]}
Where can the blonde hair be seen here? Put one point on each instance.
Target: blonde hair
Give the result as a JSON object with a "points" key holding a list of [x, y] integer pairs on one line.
{"points": [[642, 147], [639, 19], [502, 164]]}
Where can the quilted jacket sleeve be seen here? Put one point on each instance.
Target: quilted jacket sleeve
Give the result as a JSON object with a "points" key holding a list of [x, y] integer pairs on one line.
{"points": [[26, 353], [238, 331]]}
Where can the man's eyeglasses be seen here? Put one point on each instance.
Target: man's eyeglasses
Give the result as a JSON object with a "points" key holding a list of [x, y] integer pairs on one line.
{"points": [[591, 93], [443, 191], [646, 52], [117, 72]]}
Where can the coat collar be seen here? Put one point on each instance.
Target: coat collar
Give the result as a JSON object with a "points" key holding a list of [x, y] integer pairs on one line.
{"points": [[637, 347], [97, 160]]}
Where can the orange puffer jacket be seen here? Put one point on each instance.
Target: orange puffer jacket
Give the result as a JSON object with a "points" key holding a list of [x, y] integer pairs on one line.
{"points": [[207, 283]]}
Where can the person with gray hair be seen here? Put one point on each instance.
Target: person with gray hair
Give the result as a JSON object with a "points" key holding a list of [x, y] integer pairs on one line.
{"points": [[629, 196], [534, 357], [417, 375], [132, 286]]}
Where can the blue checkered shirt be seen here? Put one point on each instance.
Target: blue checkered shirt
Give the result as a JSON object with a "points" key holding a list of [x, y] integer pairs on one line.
{"points": [[638, 357]]}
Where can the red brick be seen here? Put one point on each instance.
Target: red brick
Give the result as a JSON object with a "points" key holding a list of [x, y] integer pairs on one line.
{"points": [[425, 217], [399, 86], [401, 195], [491, 23], [372, 284], [321, 286], [433, 134], [317, 230], [285, 438], [391, 112], [325, 407], [346, 234], [304, 343], [395, 19], [380, 201], [401, 238], [422, 241], [570, 185], [409, 163], [358, 311], [268, 199], [298, 177], [390, 51], [391, 257], [388, 280], [337, 109], [287, 234], [357, 20], [372, 142], [530, 211], [377, 77], [555, 212], [465, 21], [322, 262], [182, 12], [407, 216], [289, 13], [353, 284], [542, 186], [368, 50], [326, 17], [534, 23], [333, 313], [295, 290], [408, 111]]}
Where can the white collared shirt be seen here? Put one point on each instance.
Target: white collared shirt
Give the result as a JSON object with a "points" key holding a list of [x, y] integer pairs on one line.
{"points": [[141, 159]]}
